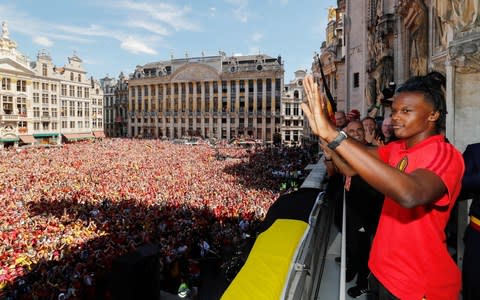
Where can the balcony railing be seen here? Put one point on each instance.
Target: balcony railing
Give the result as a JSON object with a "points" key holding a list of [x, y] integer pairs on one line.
{"points": [[11, 117]]}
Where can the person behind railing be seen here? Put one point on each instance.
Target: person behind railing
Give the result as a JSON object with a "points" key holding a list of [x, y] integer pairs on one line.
{"points": [[471, 190], [371, 130], [420, 176], [363, 205]]}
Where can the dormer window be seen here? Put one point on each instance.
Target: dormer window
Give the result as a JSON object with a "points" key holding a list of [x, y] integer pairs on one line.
{"points": [[71, 76]]}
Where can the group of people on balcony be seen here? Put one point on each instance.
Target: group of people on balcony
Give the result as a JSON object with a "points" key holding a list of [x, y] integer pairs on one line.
{"points": [[400, 190]]}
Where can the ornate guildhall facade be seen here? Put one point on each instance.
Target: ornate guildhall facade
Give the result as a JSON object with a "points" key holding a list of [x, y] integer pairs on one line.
{"points": [[210, 96]]}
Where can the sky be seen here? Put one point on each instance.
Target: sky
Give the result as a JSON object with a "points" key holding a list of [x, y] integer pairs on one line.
{"points": [[113, 36]]}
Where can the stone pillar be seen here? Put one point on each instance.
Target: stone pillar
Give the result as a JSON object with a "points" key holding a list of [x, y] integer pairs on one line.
{"points": [[264, 110], [450, 100]]}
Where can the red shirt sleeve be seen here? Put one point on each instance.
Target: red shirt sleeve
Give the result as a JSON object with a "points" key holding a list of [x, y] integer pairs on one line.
{"points": [[448, 164]]}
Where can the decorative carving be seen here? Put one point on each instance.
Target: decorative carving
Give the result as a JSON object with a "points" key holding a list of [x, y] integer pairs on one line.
{"points": [[195, 72], [380, 56], [332, 14], [5, 33], [465, 54], [415, 16], [462, 15]]}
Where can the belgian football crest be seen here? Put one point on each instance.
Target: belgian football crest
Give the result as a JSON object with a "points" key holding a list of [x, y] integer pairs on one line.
{"points": [[402, 164]]}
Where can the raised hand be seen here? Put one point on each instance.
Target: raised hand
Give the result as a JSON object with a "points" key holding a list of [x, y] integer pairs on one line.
{"points": [[315, 108]]}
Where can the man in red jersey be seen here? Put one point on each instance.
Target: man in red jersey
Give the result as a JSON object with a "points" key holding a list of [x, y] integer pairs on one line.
{"points": [[420, 176]]}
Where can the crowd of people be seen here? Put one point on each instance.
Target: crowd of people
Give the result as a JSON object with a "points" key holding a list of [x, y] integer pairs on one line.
{"points": [[68, 212], [419, 173]]}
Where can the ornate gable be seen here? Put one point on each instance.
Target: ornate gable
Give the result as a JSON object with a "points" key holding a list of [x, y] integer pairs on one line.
{"points": [[195, 72]]}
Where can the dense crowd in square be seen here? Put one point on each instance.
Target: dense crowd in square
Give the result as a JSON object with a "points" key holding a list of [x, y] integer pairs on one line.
{"points": [[68, 212]]}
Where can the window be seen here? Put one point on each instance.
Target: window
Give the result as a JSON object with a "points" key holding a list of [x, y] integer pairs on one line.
{"points": [[36, 85], [44, 86], [45, 112], [36, 126], [54, 126], [72, 124], [64, 89], [64, 124], [79, 92], [71, 76], [356, 80], [87, 94], [45, 125], [242, 86], [79, 109], [44, 70], [232, 103], [79, 77], [8, 104], [64, 109], [21, 86], [36, 112], [269, 85], [79, 124], [6, 83], [54, 112], [278, 83], [72, 91], [287, 109], [53, 87], [36, 98], [22, 106], [22, 124], [296, 109], [45, 99], [71, 111], [54, 99]]}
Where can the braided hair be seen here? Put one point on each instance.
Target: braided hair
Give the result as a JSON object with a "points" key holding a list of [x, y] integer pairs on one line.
{"points": [[432, 86]]}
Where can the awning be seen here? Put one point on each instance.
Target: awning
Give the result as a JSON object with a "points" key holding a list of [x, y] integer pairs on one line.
{"points": [[9, 139], [45, 134], [99, 134], [27, 139], [78, 136]]}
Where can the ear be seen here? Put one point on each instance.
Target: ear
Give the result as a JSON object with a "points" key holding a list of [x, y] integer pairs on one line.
{"points": [[434, 116]]}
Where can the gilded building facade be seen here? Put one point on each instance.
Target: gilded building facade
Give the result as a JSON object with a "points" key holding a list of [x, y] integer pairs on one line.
{"points": [[43, 104], [218, 97]]}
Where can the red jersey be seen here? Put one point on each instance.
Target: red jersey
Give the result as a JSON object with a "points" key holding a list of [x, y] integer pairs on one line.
{"points": [[409, 255]]}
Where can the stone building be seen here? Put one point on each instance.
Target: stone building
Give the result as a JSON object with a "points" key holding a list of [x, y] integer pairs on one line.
{"points": [[291, 113], [332, 57], [388, 41], [45, 104], [116, 105], [218, 97]]}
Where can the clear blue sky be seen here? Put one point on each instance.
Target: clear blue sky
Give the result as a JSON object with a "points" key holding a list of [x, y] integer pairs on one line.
{"points": [[115, 36]]}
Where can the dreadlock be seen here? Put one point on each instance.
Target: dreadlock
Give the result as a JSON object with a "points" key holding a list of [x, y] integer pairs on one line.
{"points": [[432, 86]]}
